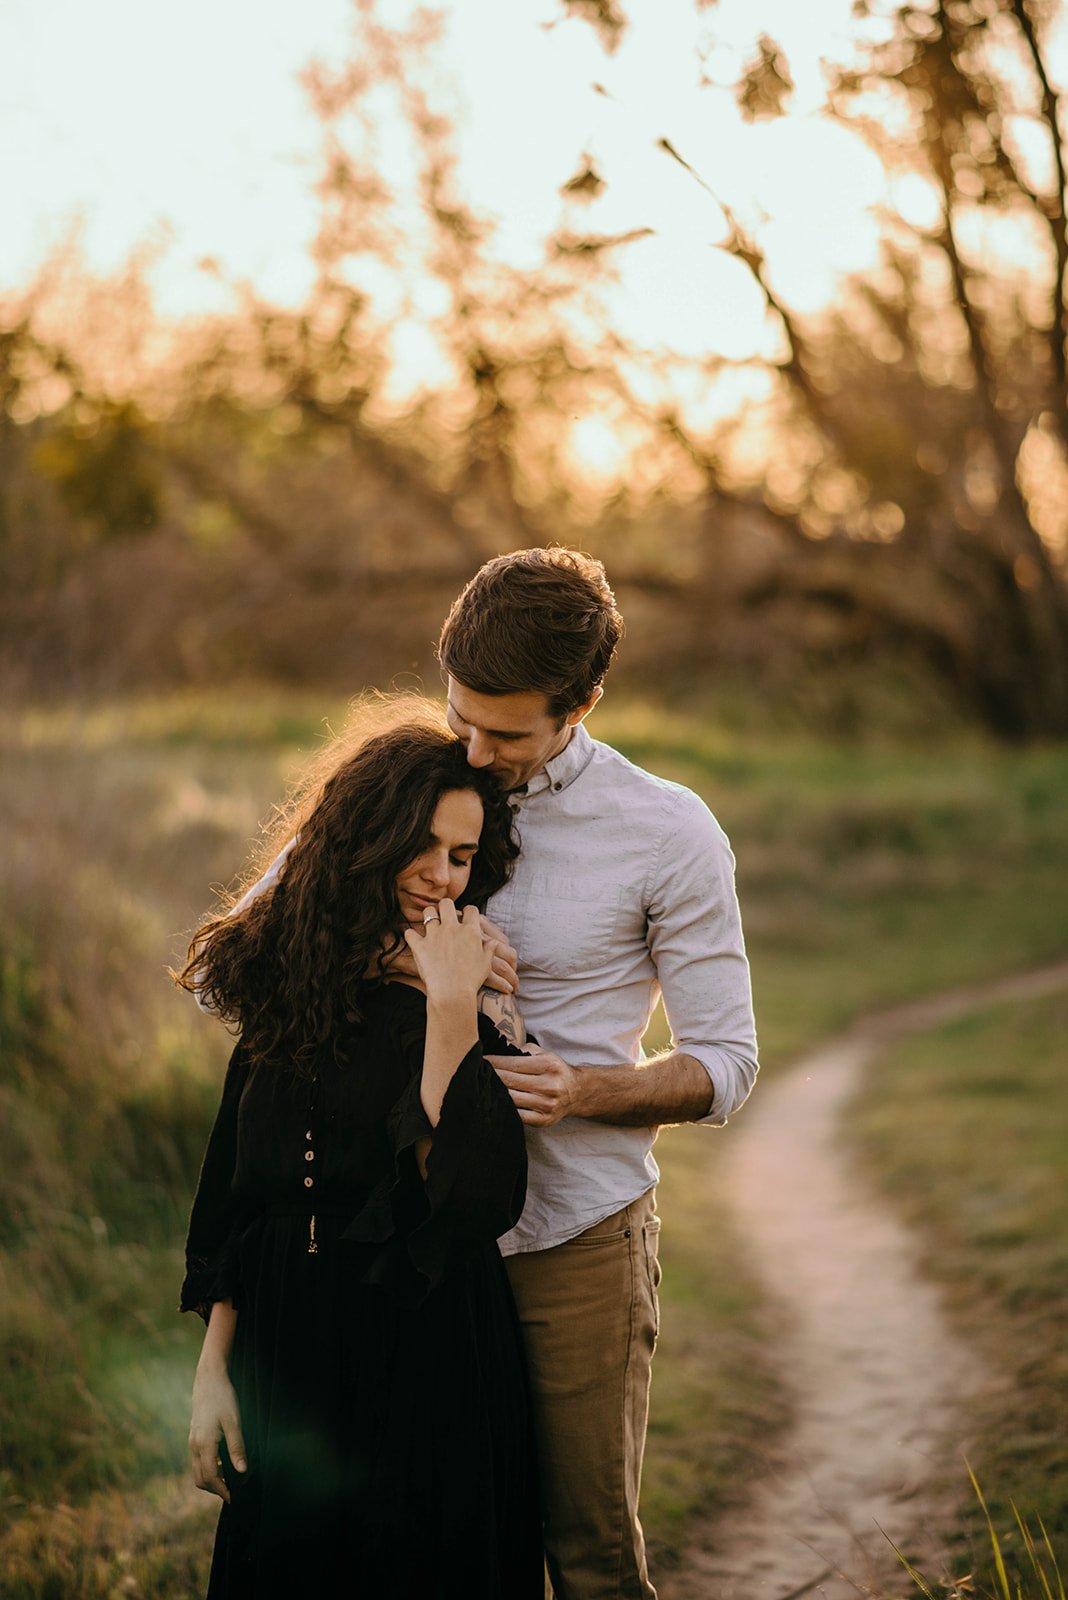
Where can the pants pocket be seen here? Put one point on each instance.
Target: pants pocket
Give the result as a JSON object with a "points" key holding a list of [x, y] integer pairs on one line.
{"points": [[650, 1242]]}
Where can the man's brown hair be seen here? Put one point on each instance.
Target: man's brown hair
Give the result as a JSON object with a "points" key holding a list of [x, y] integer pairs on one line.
{"points": [[536, 620]]}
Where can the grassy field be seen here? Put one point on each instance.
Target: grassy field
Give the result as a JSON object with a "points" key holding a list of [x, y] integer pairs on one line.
{"points": [[966, 1129], [869, 872]]}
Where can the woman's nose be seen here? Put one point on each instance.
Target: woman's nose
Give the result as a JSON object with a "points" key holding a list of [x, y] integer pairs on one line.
{"points": [[436, 870]]}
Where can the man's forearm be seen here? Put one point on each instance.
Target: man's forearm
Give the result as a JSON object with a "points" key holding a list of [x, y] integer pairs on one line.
{"points": [[669, 1088], [545, 1088]]}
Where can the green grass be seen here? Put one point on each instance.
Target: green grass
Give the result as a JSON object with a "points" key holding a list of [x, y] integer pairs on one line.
{"points": [[868, 873], [966, 1130]]}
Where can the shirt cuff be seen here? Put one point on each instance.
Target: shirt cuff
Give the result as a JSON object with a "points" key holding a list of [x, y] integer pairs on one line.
{"points": [[732, 1077]]}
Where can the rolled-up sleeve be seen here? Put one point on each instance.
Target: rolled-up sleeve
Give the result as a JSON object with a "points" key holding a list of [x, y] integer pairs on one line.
{"points": [[695, 939]]}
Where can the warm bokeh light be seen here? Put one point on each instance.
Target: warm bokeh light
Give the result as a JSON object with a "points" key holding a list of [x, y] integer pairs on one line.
{"points": [[195, 137]]}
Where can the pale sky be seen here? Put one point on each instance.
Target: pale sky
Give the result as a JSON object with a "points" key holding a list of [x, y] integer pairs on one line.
{"points": [[185, 127]]}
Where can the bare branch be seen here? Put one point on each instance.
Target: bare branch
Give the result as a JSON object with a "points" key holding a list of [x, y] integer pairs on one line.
{"points": [[1058, 222]]}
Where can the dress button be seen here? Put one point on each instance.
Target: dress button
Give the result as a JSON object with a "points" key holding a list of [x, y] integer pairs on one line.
{"points": [[308, 1182], [308, 1134], [309, 1155]]}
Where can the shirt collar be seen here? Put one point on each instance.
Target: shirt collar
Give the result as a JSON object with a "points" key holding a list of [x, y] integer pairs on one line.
{"points": [[564, 768]]}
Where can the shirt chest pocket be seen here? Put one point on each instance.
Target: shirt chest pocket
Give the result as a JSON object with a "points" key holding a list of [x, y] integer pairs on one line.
{"points": [[565, 930]]}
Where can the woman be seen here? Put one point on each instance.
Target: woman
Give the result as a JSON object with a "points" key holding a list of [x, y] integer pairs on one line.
{"points": [[360, 1403]]}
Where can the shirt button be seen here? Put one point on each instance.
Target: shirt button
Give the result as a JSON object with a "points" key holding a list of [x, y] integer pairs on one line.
{"points": [[557, 787], [308, 1182]]}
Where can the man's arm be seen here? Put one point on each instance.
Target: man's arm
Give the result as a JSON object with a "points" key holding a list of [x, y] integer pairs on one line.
{"points": [[670, 1088], [695, 939]]}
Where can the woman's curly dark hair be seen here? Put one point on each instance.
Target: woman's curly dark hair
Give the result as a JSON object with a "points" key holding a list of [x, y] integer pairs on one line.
{"points": [[290, 969]]}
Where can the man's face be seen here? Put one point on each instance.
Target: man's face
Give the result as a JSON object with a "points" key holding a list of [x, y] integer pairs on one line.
{"points": [[511, 734]]}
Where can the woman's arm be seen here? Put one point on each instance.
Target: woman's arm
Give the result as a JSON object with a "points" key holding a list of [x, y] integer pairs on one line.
{"points": [[453, 964], [215, 1411]]}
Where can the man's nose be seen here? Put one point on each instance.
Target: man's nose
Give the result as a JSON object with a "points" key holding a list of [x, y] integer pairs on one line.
{"points": [[480, 751]]}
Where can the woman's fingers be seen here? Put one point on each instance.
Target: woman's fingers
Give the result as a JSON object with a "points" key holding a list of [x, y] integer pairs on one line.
{"points": [[235, 1444], [204, 1451], [207, 1467]]}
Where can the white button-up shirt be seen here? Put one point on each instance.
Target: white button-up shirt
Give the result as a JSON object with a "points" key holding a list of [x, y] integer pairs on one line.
{"points": [[623, 891]]}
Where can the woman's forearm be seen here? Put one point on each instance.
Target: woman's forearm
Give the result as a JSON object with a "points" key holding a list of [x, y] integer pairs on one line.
{"points": [[219, 1336], [451, 1031]]}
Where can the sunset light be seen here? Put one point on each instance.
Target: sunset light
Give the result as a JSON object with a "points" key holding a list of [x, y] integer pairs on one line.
{"points": [[533, 799], [195, 143]]}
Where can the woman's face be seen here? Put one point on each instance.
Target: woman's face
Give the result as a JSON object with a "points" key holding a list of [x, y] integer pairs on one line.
{"points": [[442, 868]]}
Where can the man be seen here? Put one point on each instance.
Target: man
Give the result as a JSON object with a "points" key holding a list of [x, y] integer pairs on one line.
{"points": [[623, 890]]}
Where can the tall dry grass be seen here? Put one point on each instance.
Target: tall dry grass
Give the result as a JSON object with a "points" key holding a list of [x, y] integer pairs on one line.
{"points": [[868, 873]]}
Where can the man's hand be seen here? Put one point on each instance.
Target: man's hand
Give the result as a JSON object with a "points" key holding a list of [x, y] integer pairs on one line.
{"points": [[504, 976], [673, 1087], [542, 1085]]}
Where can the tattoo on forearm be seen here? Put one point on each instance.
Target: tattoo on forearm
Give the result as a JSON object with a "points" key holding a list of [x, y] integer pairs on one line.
{"points": [[505, 1014]]}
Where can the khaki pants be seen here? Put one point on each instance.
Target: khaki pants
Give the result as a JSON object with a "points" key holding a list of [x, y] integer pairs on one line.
{"points": [[590, 1320]]}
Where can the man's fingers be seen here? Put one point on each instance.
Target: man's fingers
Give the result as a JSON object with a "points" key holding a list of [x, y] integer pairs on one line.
{"points": [[490, 930], [525, 1066], [502, 976], [516, 1083], [530, 1102]]}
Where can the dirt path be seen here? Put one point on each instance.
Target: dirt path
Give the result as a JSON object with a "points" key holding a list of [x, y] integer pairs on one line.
{"points": [[881, 1385]]}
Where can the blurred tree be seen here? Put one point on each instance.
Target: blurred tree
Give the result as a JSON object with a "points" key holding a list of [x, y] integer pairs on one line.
{"points": [[103, 463], [940, 381], [896, 477]]}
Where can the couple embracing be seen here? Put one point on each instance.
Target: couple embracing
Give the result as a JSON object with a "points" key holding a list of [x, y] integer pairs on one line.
{"points": [[424, 1239]]}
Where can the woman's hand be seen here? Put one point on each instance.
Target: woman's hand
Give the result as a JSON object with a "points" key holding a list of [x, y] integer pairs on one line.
{"points": [[215, 1417], [503, 976], [450, 954]]}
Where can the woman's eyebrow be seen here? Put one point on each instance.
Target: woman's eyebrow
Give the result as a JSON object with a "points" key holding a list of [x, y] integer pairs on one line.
{"points": [[435, 840]]}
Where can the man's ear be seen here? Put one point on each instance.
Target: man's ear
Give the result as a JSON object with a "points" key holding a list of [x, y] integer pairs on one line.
{"points": [[573, 718]]}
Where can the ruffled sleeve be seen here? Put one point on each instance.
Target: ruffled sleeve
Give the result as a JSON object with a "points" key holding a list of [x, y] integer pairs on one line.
{"points": [[218, 1217], [476, 1171]]}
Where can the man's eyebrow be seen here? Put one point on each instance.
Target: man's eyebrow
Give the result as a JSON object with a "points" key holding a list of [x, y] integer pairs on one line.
{"points": [[494, 733]]}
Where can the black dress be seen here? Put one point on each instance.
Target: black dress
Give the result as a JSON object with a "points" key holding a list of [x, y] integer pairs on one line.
{"points": [[377, 1354]]}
